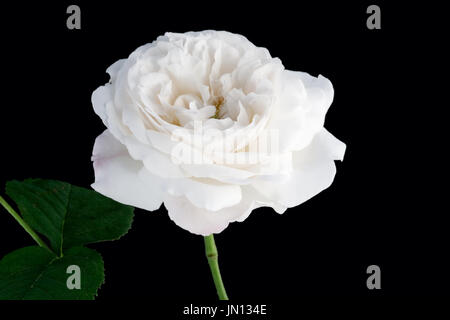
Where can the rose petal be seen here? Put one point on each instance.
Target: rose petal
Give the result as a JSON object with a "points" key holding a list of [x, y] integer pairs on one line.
{"points": [[114, 69], [100, 97], [116, 175], [219, 172], [301, 110], [314, 171], [203, 222], [158, 163]]}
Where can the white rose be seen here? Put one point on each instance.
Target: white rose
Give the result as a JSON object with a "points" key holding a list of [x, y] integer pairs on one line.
{"points": [[188, 119]]}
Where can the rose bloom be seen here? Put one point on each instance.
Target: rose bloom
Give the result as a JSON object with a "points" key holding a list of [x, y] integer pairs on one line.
{"points": [[213, 127]]}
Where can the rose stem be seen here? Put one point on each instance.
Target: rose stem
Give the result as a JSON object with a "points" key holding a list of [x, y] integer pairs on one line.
{"points": [[212, 255], [23, 224]]}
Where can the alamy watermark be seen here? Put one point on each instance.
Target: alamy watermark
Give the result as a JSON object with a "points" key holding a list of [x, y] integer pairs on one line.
{"points": [[74, 280], [374, 280], [200, 145], [74, 19], [374, 20]]}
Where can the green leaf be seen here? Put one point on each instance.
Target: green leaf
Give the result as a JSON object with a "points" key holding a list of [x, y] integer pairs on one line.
{"points": [[33, 273], [69, 215]]}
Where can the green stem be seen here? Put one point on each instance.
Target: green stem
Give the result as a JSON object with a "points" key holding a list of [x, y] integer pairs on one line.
{"points": [[212, 255], [23, 224]]}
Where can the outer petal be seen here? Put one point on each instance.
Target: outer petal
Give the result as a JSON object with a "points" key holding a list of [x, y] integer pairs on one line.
{"points": [[155, 161], [116, 175], [203, 222], [209, 195], [301, 110], [218, 172], [104, 94], [213, 196], [100, 97], [114, 69], [314, 171]]}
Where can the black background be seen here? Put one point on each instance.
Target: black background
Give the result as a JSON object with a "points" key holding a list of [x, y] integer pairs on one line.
{"points": [[379, 209]]}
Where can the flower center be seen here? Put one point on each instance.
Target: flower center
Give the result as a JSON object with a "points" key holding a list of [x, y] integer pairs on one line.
{"points": [[218, 102]]}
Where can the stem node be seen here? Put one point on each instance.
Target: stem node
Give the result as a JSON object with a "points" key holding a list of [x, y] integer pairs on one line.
{"points": [[213, 261]]}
